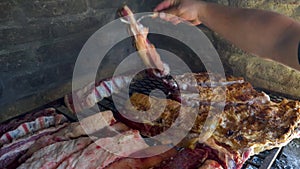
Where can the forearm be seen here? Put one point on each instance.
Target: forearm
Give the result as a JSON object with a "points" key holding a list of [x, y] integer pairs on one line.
{"points": [[266, 34]]}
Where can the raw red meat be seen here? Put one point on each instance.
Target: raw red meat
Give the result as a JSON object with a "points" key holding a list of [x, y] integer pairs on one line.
{"points": [[146, 162], [97, 155], [10, 153], [14, 123], [39, 123], [53, 155], [89, 95], [185, 159]]}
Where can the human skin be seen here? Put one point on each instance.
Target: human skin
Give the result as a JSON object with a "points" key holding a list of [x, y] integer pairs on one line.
{"points": [[263, 33]]}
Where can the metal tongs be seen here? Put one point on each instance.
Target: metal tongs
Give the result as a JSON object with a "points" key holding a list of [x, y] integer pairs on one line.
{"points": [[153, 15]]}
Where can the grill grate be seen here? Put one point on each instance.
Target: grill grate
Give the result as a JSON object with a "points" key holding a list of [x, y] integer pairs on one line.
{"points": [[263, 160]]}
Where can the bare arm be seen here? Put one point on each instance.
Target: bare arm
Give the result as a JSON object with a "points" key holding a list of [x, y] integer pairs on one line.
{"points": [[263, 33]]}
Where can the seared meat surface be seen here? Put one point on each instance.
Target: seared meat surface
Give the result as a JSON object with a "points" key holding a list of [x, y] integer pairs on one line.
{"points": [[249, 123]]}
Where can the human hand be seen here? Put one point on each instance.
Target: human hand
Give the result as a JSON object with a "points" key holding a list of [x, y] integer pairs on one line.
{"points": [[179, 10]]}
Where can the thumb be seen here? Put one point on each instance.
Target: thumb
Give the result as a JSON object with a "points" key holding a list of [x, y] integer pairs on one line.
{"points": [[172, 11], [169, 14], [165, 5]]}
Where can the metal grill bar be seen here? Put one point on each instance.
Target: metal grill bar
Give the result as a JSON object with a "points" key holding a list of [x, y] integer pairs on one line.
{"points": [[66, 112], [263, 160]]}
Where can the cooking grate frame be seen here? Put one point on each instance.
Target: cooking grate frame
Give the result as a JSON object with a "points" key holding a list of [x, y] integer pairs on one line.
{"points": [[264, 160]]}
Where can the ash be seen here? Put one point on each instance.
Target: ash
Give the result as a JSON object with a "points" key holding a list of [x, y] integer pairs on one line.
{"points": [[289, 159]]}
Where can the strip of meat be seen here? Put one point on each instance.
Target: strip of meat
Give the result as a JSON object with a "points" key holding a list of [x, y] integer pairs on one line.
{"points": [[198, 89], [90, 124], [53, 155], [71, 161], [102, 152], [10, 160], [59, 136], [11, 152], [32, 127], [14, 123], [73, 130], [17, 143], [146, 50], [144, 163], [41, 143], [190, 81], [91, 94]]}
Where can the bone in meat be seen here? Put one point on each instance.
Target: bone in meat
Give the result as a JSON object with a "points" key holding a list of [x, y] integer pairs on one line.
{"points": [[91, 94], [243, 130], [96, 155], [31, 127], [10, 153], [54, 154], [14, 123]]}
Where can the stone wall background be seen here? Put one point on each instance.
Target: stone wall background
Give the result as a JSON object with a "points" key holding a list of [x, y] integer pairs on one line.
{"points": [[40, 41]]}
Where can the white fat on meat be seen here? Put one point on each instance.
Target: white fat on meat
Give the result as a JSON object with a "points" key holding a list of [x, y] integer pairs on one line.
{"points": [[91, 124], [13, 150], [100, 154], [27, 128], [51, 156]]}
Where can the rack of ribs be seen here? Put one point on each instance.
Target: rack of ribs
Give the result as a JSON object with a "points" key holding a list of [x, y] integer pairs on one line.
{"points": [[245, 129]]}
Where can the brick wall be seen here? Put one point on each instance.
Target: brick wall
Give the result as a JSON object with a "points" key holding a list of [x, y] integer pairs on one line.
{"points": [[39, 43]]}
